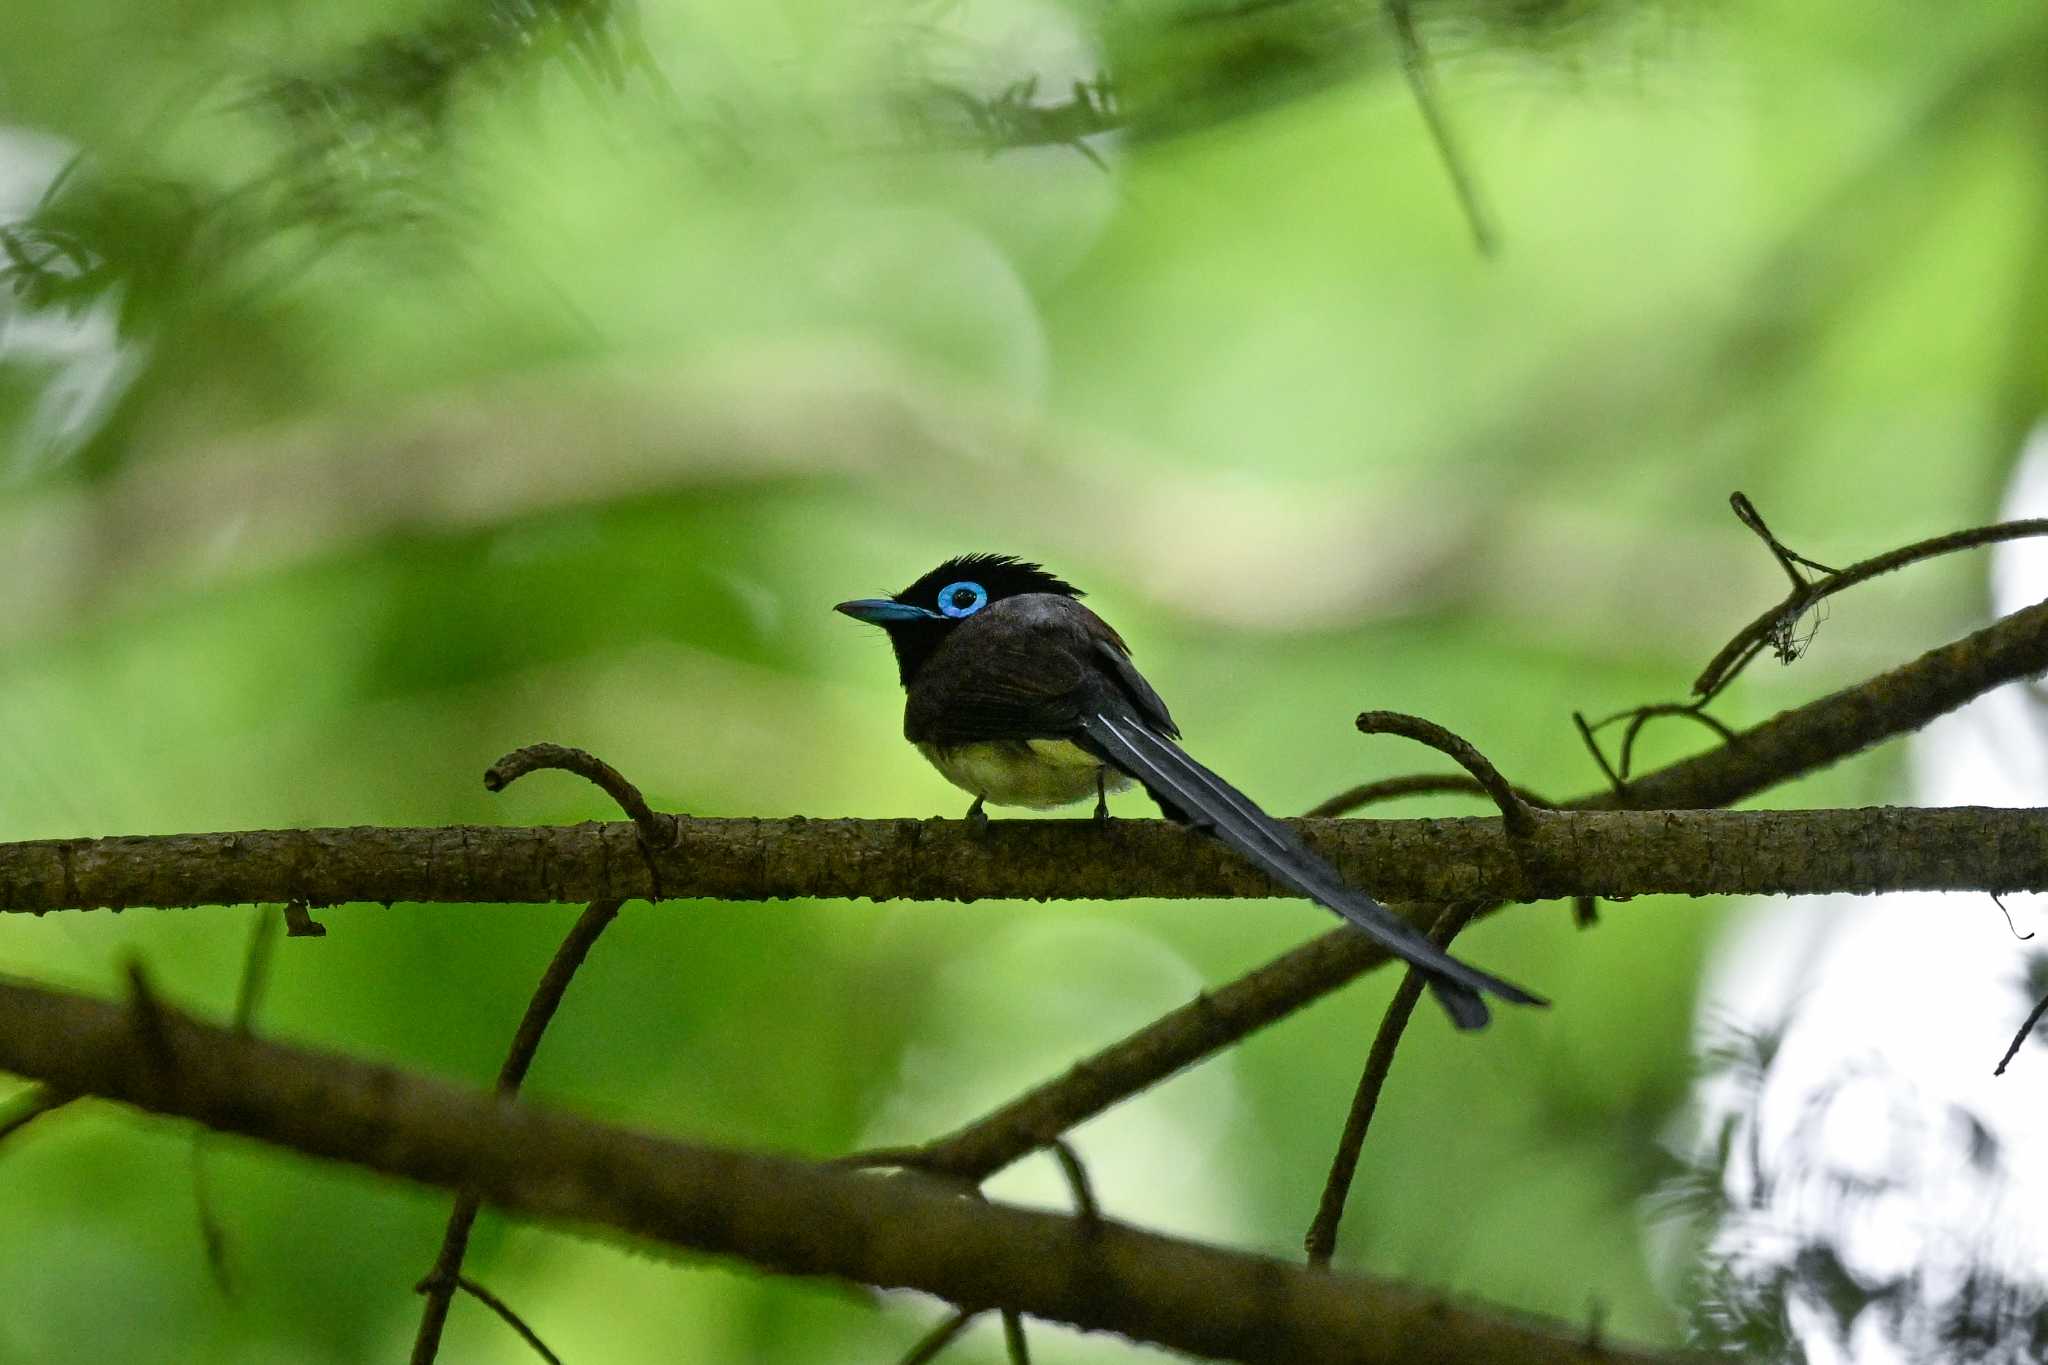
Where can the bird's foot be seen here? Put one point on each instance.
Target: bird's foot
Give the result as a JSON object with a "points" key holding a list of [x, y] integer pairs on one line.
{"points": [[977, 818], [1101, 799]]}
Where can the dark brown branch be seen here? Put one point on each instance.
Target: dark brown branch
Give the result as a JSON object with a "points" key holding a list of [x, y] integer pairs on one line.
{"points": [[1013, 1337], [1746, 513], [1321, 1240], [938, 1339], [654, 827], [1637, 718], [1789, 745], [1750, 640], [1586, 853], [1415, 784], [1514, 812], [1614, 779], [1645, 714], [785, 1215], [1078, 1184], [508, 1317], [2019, 1039], [445, 1277]]}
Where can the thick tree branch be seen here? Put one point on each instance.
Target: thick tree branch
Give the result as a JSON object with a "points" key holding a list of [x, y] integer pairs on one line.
{"points": [[786, 1215], [1613, 853]]}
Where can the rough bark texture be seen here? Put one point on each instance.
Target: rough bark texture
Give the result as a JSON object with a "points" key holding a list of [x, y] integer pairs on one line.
{"points": [[1628, 853], [783, 1214]]}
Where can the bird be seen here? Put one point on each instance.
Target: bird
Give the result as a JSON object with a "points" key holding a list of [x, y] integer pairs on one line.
{"points": [[1021, 696]]}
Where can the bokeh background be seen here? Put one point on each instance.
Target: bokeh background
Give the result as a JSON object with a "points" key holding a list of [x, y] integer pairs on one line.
{"points": [[386, 385]]}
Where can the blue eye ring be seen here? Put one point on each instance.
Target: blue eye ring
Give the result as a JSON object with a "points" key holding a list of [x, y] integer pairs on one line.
{"points": [[962, 599]]}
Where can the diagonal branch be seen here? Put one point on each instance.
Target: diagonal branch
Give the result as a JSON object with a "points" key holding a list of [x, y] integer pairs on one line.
{"points": [[1776, 624], [790, 1216]]}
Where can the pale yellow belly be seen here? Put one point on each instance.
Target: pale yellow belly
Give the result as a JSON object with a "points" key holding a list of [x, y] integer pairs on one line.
{"points": [[1038, 773]]}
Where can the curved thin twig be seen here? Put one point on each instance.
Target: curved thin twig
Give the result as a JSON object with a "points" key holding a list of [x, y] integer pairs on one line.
{"points": [[654, 827], [1321, 1240], [510, 1318], [939, 1338], [1078, 1184], [1415, 784], [1614, 779], [1637, 718], [445, 1277], [1748, 642], [1514, 812]]}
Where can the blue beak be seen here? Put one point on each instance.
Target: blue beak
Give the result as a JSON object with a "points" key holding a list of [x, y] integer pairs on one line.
{"points": [[880, 611]]}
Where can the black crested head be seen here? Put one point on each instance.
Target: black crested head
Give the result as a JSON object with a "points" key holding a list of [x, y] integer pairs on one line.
{"points": [[919, 618], [999, 576]]}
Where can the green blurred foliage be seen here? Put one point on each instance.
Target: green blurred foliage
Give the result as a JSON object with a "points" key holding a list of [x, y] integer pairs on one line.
{"points": [[447, 378]]}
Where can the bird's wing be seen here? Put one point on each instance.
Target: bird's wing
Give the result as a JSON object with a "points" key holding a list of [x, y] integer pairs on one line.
{"points": [[1111, 653], [1020, 685], [1118, 732]]}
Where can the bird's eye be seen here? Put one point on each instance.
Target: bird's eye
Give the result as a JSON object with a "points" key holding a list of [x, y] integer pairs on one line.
{"points": [[962, 599]]}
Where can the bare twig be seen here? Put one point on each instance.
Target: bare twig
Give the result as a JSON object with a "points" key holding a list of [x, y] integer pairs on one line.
{"points": [[939, 1338], [1614, 780], [1321, 1240], [2019, 1039], [1776, 629], [510, 1318], [1077, 1181], [1643, 715], [1514, 813], [1746, 513], [654, 827], [1776, 623], [2010, 927], [1416, 784], [1415, 65], [1014, 1341], [445, 1277], [1638, 717]]}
